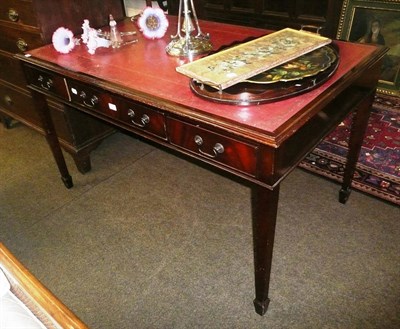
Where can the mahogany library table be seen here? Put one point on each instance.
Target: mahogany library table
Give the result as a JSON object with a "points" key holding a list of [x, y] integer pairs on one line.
{"points": [[137, 88]]}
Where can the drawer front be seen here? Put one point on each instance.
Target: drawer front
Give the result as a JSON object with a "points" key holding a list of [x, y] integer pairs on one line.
{"points": [[239, 155], [49, 82], [11, 70], [18, 41], [132, 114], [144, 118], [94, 99], [18, 12], [18, 105]]}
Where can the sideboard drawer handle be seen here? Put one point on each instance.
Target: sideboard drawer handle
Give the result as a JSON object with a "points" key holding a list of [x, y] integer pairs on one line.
{"points": [[217, 149], [144, 120], [22, 45], [8, 100], [13, 15]]}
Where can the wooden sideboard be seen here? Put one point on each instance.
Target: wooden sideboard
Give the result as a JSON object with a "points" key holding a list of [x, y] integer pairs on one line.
{"points": [[270, 14], [27, 24]]}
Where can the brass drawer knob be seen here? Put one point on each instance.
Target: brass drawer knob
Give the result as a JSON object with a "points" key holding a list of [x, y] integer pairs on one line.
{"points": [[142, 122], [45, 83], [217, 149], [8, 100], [198, 140], [22, 45], [92, 102], [13, 15]]}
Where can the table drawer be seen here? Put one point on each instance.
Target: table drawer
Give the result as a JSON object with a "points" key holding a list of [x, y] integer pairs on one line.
{"points": [[49, 82], [18, 12], [144, 118], [135, 115], [94, 99], [237, 154]]}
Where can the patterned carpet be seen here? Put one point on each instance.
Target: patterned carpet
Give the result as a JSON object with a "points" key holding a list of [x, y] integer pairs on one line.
{"points": [[378, 168]]}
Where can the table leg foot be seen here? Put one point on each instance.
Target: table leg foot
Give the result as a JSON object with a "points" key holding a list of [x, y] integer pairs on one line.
{"points": [[67, 180], [264, 206], [261, 306], [344, 194]]}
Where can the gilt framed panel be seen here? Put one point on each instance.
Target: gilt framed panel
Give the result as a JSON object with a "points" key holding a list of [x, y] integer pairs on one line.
{"points": [[378, 22]]}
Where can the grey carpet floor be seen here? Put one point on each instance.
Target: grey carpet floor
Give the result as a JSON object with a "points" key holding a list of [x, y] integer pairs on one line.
{"points": [[150, 240]]}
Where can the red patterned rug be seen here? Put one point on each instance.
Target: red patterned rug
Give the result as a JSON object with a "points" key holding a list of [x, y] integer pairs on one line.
{"points": [[378, 168]]}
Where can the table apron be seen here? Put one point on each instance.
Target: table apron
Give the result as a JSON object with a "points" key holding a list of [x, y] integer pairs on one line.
{"points": [[257, 162]]}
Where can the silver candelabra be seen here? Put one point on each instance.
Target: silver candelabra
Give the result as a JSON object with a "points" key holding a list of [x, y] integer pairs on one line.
{"points": [[189, 40]]}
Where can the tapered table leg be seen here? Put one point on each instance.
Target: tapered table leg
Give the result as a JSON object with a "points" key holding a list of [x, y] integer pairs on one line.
{"points": [[264, 207], [51, 137], [358, 128]]}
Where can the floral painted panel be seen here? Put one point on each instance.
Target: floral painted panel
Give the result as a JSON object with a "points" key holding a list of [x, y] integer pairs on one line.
{"points": [[307, 65], [241, 62]]}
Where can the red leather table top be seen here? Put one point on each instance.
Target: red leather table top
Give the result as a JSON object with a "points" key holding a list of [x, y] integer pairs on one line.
{"points": [[145, 68]]}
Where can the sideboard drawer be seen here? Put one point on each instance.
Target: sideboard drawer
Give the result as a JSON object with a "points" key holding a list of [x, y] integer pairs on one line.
{"points": [[225, 150], [11, 70], [15, 40], [18, 12], [50, 82], [19, 104]]}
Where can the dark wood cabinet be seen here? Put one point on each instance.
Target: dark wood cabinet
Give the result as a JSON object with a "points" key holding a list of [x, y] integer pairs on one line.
{"points": [[27, 24], [270, 14]]}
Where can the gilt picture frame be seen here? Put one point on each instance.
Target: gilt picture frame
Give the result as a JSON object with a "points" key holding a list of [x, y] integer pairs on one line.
{"points": [[374, 21]]}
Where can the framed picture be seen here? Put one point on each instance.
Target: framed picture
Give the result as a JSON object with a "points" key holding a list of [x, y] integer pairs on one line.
{"points": [[374, 21]]}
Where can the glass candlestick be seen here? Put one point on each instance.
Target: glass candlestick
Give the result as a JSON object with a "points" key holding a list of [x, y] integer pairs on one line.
{"points": [[189, 40], [115, 36]]}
